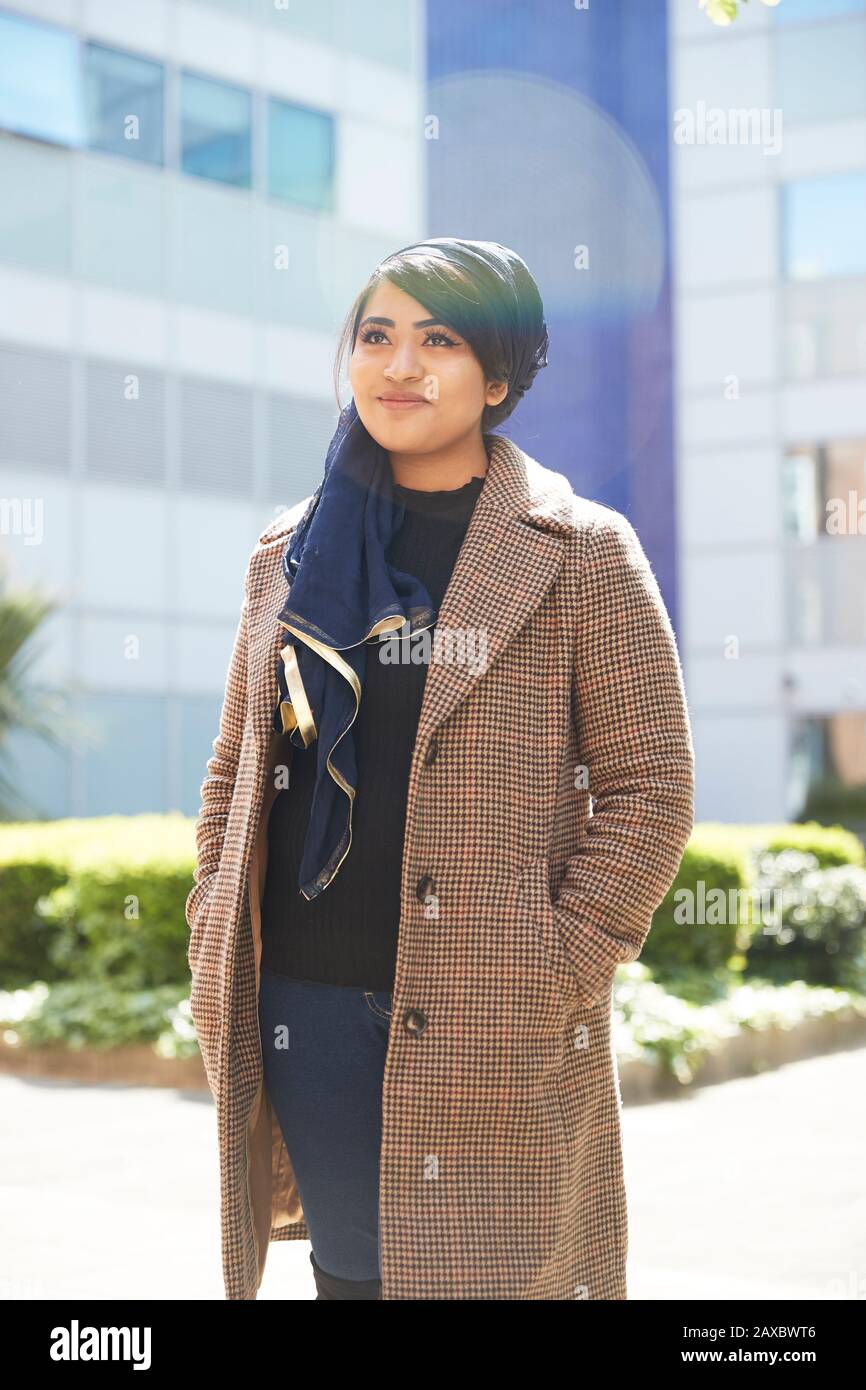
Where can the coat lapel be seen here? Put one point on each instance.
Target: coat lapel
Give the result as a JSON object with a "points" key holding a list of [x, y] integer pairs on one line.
{"points": [[511, 555]]}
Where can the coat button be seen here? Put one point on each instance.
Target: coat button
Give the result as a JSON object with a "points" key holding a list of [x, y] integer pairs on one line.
{"points": [[414, 1022], [424, 887], [432, 751]]}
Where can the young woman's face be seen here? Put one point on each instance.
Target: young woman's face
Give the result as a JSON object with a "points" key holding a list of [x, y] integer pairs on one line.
{"points": [[401, 351]]}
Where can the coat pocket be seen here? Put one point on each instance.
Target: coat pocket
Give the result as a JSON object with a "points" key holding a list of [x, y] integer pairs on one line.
{"points": [[205, 1008], [206, 980], [535, 893], [199, 921]]}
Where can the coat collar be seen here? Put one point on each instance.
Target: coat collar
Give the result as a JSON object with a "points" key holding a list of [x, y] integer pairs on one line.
{"points": [[511, 555]]}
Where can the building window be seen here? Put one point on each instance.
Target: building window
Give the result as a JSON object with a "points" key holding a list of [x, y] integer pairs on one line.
{"points": [[807, 757], [800, 494], [807, 11], [31, 435], [124, 102], [824, 327], [300, 155], [40, 88], [819, 71], [824, 490], [824, 226], [827, 768], [824, 595], [215, 131]]}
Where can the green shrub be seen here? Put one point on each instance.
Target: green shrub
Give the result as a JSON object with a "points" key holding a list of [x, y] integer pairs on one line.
{"points": [[652, 1024], [816, 930], [100, 896], [678, 949], [829, 802], [98, 905], [26, 939], [724, 872], [830, 844], [123, 922], [78, 1013]]}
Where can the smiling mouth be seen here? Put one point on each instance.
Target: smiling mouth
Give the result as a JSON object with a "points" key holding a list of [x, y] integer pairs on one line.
{"points": [[402, 403]]}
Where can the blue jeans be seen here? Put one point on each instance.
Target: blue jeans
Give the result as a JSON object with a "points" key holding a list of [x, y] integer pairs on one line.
{"points": [[323, 1054]]}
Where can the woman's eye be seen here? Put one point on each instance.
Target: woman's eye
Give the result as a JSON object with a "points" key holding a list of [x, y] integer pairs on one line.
{"points": [[370, 335]]}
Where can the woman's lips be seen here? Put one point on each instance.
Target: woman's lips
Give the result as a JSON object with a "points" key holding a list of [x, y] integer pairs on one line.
{"points": [[401, 405]]}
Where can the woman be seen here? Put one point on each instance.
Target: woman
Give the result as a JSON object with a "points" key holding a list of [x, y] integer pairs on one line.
{"points": [[452, 782]]}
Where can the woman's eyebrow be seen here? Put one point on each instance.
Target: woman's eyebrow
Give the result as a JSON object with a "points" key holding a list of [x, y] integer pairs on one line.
{"points": [[389, 323]]}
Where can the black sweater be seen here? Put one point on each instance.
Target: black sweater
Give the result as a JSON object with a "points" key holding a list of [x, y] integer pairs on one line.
{"points": [[348, 934]]}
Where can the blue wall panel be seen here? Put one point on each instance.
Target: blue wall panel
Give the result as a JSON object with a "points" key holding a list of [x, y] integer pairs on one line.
{"points": [[547, 131]]}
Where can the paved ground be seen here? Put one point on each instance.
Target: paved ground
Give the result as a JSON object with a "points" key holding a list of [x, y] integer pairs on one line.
{"points": [[752, 1189]]}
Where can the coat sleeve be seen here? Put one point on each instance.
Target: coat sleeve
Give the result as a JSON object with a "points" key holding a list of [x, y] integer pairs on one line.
{"points": [[635, 742], [218, 787]]}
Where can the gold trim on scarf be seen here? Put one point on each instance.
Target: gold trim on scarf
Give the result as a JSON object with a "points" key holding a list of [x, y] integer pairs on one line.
{"points": [[392, 624], [303, 715], [287, 714]]}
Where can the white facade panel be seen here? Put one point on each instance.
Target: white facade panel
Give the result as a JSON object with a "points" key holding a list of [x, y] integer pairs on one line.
{"points": [[742, 761], [748, 684], [36, 538], [201, 658], [209, 581], [732, 599], [380, 177], [128, 24], [729, 497], [121, 535], [728, 341], [127, 653], [794, 356], [727, 238], [706, 419], [208, 40]]}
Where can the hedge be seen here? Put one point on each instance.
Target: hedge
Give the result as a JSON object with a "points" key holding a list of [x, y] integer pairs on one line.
{"points": [[100, 895], [102, 900]]}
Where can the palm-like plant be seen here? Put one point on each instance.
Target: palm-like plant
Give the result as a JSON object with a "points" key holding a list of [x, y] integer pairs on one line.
{"points": [[725, 11], [24, 707]]}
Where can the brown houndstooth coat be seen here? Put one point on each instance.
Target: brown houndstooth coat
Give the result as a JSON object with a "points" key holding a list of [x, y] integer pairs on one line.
{"points": [[501, 1164]]}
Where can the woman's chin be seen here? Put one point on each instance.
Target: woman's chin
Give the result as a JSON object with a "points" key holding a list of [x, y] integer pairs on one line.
{"points": [[400, 433]]}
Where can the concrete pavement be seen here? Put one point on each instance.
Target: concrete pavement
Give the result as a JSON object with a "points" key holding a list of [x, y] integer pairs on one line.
{"points": [[751, 1189]]}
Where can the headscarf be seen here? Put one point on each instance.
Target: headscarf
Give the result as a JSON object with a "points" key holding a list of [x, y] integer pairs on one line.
{"points": [[343, 594]]}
